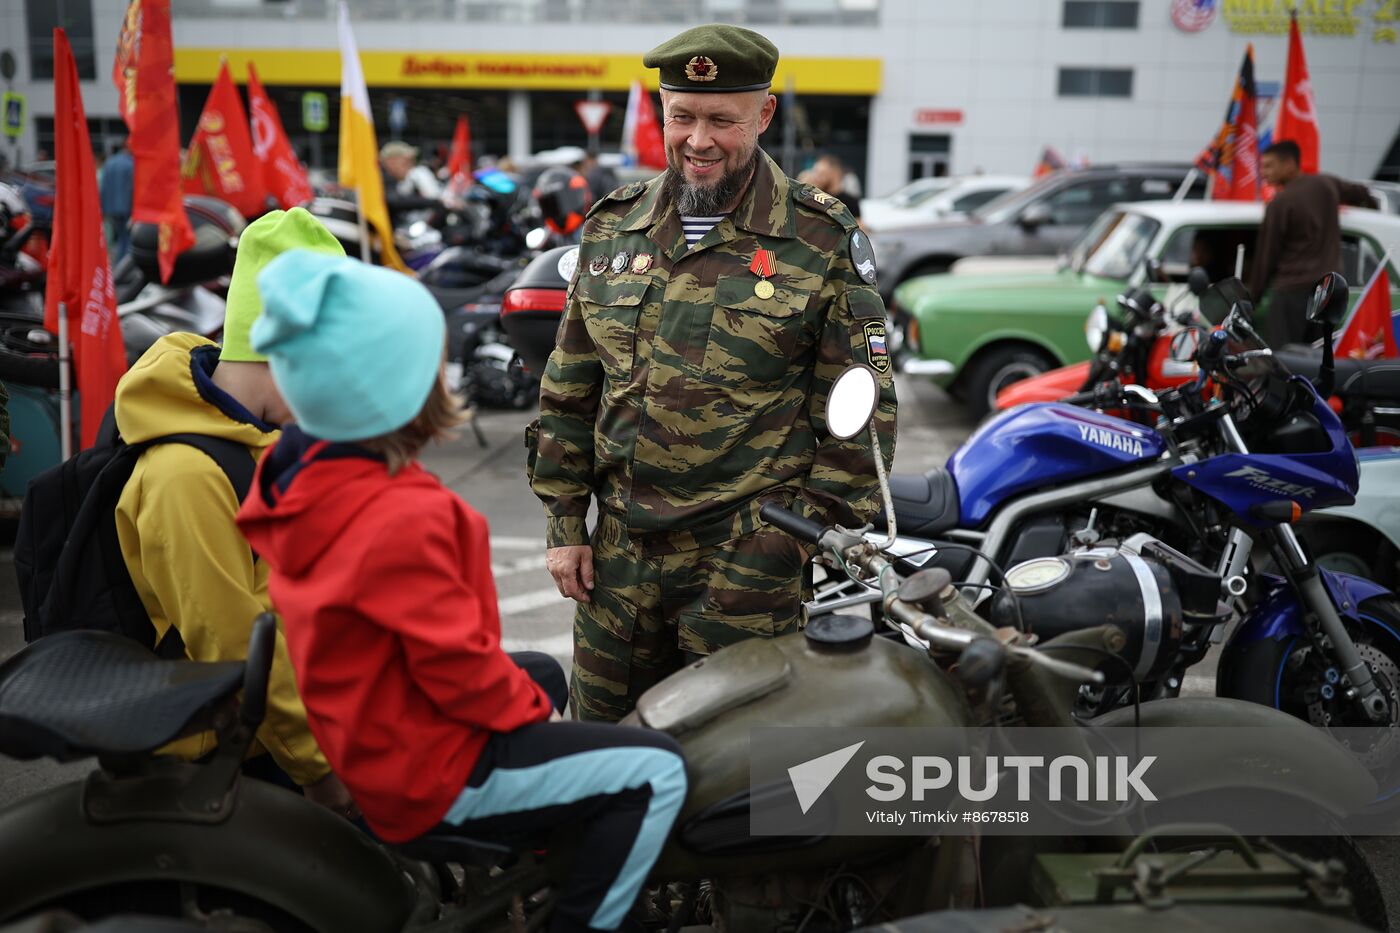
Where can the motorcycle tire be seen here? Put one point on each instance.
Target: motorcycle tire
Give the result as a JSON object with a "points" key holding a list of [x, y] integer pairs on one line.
{"points": [[26, 369], [997, 369], [1264, 676]]}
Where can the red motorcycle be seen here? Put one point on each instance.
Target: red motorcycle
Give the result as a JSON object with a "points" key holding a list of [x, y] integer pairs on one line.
{"points": [[1152, 346]]}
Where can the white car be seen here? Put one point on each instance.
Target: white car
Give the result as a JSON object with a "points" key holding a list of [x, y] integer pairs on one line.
{"points": [[936, 199]]}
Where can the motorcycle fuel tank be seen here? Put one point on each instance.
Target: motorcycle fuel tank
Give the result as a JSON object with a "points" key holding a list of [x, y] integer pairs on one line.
{"points": [[1042, 445], [796, 680]]}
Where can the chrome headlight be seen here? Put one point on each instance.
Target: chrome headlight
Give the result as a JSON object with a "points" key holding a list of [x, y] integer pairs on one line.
{"points": [[1095, 326]]}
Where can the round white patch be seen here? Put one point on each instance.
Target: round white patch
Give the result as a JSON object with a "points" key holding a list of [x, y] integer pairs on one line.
{"points": [[568, 265]]}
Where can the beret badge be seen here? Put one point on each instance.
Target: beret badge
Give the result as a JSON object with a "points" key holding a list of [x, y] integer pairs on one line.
{"points": [[701, 68]]}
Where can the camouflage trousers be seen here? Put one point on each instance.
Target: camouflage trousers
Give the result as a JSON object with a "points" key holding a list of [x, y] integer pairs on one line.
{"points": [[656, 607]]}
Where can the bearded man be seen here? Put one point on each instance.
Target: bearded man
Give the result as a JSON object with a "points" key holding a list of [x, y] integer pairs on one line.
{"points": [[711, 309]]}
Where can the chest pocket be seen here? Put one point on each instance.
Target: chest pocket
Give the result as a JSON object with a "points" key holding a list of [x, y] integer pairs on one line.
{"points": [[611, 311], [753, 340]]}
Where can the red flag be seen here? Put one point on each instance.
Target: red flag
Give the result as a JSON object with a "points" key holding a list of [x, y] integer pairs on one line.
{"points": [[283, 174], [79, 277], [1233, 156], [459, 162], [220, 161], [1297, 115], [651, 149], [1368, 334], [144, 73], [1049, 163]]}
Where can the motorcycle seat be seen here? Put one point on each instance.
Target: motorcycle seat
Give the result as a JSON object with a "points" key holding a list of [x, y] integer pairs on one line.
{"points": [[82, 693], [443, 847], [450, 299], [1365, 379], [924, 504]]}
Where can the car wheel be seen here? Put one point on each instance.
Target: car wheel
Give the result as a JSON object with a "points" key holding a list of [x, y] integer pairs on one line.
{"points": [[997, 369]]}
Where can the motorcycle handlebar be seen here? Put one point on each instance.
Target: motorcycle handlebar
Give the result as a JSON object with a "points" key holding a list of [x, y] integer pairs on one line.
{"points": [[796, 525]]}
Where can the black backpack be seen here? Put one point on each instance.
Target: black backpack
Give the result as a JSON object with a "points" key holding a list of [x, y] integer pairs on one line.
{"points": [[67, 556]]}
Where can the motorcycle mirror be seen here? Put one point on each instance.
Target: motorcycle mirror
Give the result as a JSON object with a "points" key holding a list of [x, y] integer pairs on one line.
{"points": [[1184, 346], [536, 238], [1152, 270], [1329, 300], [851, 402], [1198, 280]]}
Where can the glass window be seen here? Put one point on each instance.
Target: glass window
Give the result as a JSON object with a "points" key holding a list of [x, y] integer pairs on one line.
{"points": [[1076, 205], [1212, 248], [1123, 248], [1100, 14], [1096, 82], [75, 17], [976, 199]]}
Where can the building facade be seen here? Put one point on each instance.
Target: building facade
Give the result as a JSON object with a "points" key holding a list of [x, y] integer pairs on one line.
{"points": [[898, 88]]}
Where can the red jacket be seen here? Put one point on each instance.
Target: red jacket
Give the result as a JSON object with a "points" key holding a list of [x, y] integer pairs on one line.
{"points": [[384, 588]]}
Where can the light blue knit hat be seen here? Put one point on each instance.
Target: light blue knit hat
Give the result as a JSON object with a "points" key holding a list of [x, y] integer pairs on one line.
{"points": [[354, 349]]}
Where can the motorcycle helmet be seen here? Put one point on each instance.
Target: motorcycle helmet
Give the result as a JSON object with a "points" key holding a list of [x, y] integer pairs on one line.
{"points": [[14, 213], [563, 197], [216, 225]]}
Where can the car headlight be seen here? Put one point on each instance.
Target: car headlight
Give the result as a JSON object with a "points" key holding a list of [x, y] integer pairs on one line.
{"points": [[1095, 326]]}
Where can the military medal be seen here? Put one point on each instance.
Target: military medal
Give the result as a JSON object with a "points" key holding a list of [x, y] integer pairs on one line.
{"points": [[598, 266], [762, 266], [620, 262], [641, 263]]}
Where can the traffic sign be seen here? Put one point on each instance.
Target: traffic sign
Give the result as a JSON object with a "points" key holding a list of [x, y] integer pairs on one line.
{"points": [[398, 116], [592, 113], [315, 112], [14, 114]]}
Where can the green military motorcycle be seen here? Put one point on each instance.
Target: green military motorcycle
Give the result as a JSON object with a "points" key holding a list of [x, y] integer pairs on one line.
{"points": [[153, 836]]}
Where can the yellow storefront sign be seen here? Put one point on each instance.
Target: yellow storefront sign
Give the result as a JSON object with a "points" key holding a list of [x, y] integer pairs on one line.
{"points": [[1315, 17], [500, 70]]}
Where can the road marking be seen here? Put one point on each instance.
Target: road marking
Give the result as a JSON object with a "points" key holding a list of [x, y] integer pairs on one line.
{"points": [[527, 602], [517, 543], [519, 565], [561, 646]]}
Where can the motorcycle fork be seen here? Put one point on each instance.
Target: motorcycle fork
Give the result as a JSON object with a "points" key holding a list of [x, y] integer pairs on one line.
{"points": [[1323, 620]]}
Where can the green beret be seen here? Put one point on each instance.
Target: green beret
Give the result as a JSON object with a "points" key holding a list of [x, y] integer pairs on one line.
{"points": [[717, 57]]}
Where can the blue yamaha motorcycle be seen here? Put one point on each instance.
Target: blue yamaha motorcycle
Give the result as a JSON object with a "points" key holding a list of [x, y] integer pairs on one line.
{"points": [[1233, 460]]}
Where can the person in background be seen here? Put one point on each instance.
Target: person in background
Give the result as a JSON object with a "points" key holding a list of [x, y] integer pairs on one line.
{"points": [[601, 179], [1299, 241], [408, 186], [829, 174], [116, 182]]}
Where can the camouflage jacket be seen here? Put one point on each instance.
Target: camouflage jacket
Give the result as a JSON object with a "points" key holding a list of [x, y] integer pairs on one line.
{"points": [[677, 393]]}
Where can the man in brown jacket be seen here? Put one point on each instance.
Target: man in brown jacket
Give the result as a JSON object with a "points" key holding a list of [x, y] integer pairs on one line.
{"points": [[1299, 241]]}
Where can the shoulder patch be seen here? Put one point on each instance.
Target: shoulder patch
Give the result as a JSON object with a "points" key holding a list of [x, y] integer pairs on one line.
{"points": [[863, 256], [817, 200], [618, 196]]}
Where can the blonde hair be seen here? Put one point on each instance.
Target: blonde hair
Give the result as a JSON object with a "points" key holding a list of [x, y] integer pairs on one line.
{"points": [[442, 414]]}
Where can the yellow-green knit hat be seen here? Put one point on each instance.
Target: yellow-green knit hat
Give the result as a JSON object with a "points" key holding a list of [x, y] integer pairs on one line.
{"points": [[262, 241]]}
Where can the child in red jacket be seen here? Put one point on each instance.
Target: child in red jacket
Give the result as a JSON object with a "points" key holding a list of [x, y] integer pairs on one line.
{"points": [[382, 578]]}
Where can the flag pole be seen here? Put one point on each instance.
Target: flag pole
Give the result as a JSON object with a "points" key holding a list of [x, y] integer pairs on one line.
{"points": [[1186, 184], [364, 226], [65, 386]]}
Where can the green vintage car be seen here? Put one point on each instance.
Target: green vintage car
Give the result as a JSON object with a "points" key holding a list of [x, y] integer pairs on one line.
{"points": [[975, 334]]}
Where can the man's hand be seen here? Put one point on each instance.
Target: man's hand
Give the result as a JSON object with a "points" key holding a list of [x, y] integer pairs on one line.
{"points": [[572, 570], [332, 795]]}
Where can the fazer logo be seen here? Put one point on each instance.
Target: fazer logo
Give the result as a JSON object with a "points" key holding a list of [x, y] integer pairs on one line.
{"points": [[1261, 479]]}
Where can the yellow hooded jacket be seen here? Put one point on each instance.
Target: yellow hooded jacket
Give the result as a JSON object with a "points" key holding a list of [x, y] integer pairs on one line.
{"points": [[175, 521]]}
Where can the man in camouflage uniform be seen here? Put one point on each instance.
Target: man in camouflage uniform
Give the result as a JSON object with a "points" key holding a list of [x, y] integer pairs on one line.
{"points": [[689, 385]]}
